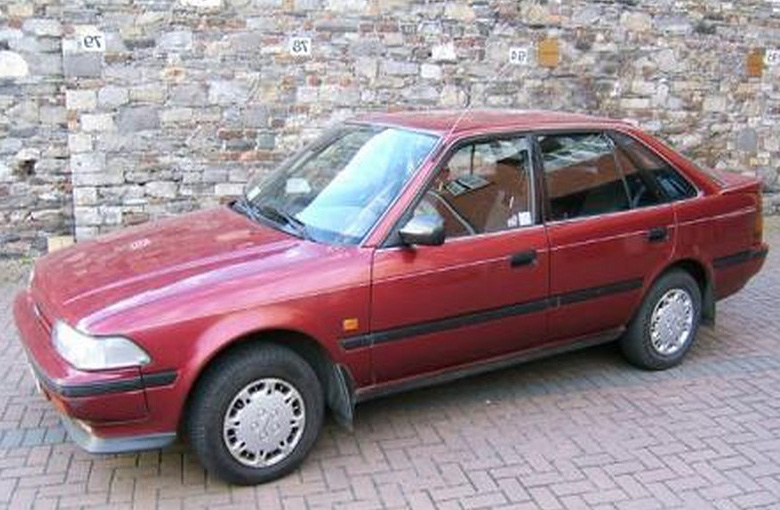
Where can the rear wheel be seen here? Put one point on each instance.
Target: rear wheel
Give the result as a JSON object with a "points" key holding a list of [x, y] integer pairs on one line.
{"points": [[256, 414], [665, 326]]}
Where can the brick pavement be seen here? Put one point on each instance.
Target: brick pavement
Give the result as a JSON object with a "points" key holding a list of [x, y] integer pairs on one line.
{"points": [[582, 430]]}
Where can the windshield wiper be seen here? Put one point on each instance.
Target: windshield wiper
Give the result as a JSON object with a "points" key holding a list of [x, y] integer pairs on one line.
{"points": [[265, 212], [281, 216], [248, 209]]}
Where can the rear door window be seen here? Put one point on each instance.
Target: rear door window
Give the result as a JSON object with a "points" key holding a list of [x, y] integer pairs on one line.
{"points": [[581, 176], [642, 191]]}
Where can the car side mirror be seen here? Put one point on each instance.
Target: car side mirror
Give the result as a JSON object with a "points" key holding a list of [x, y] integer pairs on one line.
{"points": [[425, 230]]}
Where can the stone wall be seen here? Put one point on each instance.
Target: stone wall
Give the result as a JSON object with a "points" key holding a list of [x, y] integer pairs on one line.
{"points": [[35, 192], [190, 97]]}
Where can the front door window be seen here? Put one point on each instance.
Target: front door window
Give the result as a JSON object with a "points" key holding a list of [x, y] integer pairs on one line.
{"points": [[484, 187]]}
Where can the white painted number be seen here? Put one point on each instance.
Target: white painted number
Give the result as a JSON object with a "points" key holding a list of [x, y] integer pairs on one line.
{"points": [[94, 41], [772, 57], [518, 56], [300, 46]]}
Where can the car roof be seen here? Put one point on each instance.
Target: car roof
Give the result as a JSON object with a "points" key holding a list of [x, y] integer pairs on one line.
{"points": [[486, 120]]}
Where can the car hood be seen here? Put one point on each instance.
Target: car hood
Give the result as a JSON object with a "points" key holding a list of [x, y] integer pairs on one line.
{"points": [[144, 263]]}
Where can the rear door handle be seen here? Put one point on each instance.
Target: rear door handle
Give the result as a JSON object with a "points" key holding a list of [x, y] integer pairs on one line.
{"points": [[524, 258], [657, 234]]}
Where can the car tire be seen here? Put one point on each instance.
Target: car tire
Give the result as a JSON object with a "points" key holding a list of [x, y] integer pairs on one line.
{"points": [[255, 399], [664, 328]]}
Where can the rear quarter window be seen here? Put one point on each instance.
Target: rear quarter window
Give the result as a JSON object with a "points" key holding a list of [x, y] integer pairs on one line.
{"points": [[672, 184]]}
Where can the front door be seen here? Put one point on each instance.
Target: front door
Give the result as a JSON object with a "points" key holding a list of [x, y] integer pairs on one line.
{"points": [[480, 295], [609, 229]]}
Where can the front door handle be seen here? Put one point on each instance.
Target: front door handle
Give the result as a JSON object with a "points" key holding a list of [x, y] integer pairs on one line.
{"points": [[657, 234], [524, 258]]}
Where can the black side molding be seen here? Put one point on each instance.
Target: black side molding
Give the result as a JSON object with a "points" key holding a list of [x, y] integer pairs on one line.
{"points": [[469, 319], [739, 258], [488, 365], [104, 388]]}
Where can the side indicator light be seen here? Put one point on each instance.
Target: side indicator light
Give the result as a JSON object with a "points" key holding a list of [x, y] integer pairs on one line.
{"points": [[351, 324]]}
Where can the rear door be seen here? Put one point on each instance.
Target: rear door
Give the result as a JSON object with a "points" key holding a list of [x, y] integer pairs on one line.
{"points": [[609, 232], [480, 295]]}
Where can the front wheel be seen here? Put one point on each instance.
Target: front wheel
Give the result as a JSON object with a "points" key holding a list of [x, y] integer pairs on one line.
{"points": [[255, 414], [665, 326]]}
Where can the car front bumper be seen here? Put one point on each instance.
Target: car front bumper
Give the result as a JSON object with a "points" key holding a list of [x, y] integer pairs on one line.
{"points": [[103, 411], [84, 436]]}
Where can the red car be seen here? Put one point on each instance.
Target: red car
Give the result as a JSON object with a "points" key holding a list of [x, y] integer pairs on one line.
{"points": [[398, 250]]}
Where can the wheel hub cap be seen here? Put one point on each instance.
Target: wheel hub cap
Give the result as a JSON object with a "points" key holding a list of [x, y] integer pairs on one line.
{"points": [[672, 321], [264, 422]]}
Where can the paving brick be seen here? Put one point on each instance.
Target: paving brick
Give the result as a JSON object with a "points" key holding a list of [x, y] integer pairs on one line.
{"points": [[582, 430]]}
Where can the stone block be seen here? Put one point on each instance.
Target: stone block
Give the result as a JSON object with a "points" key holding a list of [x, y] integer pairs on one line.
{"points": [[214, 175], [161, 189], [747, 140], [10, 145], [54, 243], [6, 173], [152, 93], [82, 65], [84, 232], [80, 99], [366, 67], [137, 118], [636, 21], [203, 4], [228, 92], [97, 122], [587, 15], [21, 10], [635, 103], [177, 40], [43, 27], [460, 11], [673, 24], [239, 175], [225, 189], [430, 72], [86, 216], [51, 115], [443, 53], [85, 195], [13, 65], [189, 94], [265, 141], [87, 162], [714, 104], [255, 116], [107, 178], [348, 6], [110, 215], [396, 68], [46, 64], [8, 34], [176, 115], [112, 96]]}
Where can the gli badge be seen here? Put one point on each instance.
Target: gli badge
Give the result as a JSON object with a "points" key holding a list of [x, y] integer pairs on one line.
{"points": [[139, 244]]}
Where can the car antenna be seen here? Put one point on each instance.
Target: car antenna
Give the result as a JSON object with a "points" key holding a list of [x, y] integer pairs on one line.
{"points": [[470, 104]]}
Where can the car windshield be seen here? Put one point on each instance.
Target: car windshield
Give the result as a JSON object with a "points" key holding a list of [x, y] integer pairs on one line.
{"points": [[335, 189]]}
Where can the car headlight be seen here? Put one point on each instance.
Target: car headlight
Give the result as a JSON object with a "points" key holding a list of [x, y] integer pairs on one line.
{"points": [[87, 352]]}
